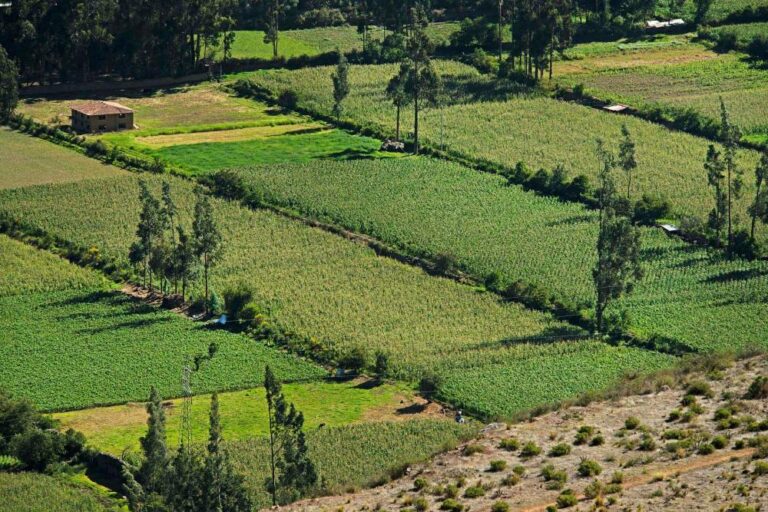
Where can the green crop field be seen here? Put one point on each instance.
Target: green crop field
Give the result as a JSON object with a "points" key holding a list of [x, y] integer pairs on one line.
{"points": [[356, 456], [430, 207], [548, 375], [314, 41], [698, 85], [529, 129], [26, 160], [718, 11], [35, 492], [744, 32], [26, 270], [127, 346], [243, 413], [309, 281]]}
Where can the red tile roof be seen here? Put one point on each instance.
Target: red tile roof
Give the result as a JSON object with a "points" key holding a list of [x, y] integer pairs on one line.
{"points": [[101, 108]]}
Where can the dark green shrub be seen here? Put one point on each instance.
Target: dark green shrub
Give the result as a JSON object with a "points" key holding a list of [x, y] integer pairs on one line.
{"points": [[37, 449], [567, 499], [758, 390], [500, 506], [598, 440], [720, 442], [551, 474], [589, 468], [700, 388], [559, 450], [510, 444], [650, 209], [647, 443], [472, 449], [498, 465], [421, 504], [475, 491], [631, 423], [420, 484], [451, 505], [530, 449], [288, 99], [706, 449], [519, 470]]}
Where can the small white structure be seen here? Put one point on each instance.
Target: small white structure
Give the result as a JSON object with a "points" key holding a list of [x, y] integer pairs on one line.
{"points": [[677, 22], [618, 108], [670, 229]]}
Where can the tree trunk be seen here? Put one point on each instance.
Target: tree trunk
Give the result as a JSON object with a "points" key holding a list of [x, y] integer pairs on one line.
{"points": [[272, 461], [397, 130], [754, 213], [730, 221]]}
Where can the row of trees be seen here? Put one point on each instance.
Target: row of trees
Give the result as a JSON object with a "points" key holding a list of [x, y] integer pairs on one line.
{"points": [[726, 179], [165, 250], [75, 39], [190, 480]]}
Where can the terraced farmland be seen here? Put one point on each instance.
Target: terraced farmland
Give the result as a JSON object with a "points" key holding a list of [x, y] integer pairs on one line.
{"points": [[429, 207], [528, 129], [53, 335], [309, 281]]}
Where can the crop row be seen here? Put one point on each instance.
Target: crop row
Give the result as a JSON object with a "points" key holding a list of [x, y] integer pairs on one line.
{"points": [[433, 208], [538, 131], [307, 281]]}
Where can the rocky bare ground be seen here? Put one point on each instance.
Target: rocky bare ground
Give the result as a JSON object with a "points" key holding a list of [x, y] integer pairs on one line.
{"points": [[697, 443]]}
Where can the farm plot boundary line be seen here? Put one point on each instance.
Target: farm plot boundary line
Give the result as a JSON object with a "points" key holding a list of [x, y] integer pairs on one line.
{"points": [[557, 309]]}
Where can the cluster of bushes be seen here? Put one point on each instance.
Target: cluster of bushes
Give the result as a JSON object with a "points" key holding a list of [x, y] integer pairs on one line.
{"points": [[749, 14], [32, 439], [476, 33]]}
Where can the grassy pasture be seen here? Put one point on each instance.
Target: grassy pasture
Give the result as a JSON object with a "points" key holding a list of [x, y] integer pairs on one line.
{"points": [[528, 129], [430, 207], [26, 160], [185, 108], [289, 147], [243, 413], [309, 281], [35, 492], [356, 456]]}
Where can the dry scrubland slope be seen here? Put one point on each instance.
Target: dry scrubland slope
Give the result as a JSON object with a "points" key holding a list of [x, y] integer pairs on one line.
{"points": [[539, 131], [430, 207], [675, 448], [58, 319]]}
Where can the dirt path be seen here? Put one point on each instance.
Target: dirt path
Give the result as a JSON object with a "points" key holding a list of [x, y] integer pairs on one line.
{"points": [[653, 473]]}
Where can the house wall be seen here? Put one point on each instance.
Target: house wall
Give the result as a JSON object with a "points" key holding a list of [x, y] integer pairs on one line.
{"points": [[105, 123]]}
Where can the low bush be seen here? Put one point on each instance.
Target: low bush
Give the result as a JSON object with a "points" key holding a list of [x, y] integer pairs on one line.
{"points": [[720, 442], [567, 499], [498, 466], [758, 390], [559, 450], [451, 505], [510, 444], [700, 388], [421, 504], [530, 449], [588, 468], [631, 423], [500, 506], [551, 474], [475, 491], [420, 484], [472, 449]]}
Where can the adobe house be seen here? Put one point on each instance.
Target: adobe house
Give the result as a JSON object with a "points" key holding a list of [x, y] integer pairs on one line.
{"points": [[101, 116]]}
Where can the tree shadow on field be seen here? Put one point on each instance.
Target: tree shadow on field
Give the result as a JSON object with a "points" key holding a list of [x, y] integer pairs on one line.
{"points": [[736, 276], [108, 297], [572, 220], [352, 154], [551, 334], [132, 324], [472, 89]]}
